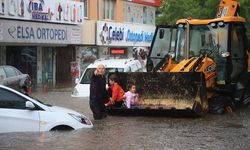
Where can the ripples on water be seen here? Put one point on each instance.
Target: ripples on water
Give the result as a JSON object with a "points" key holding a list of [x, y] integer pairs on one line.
{"points": [[212, 132], [230, 131]]}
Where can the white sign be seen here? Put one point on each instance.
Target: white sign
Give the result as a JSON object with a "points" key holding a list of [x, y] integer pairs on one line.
{"points": [[119, 34], [59, 11], [32, 32]]}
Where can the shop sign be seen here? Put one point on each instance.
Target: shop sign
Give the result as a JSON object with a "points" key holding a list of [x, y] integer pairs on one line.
{"points": [[59, 11], [31, 32], [117, 51], [119, 34]]}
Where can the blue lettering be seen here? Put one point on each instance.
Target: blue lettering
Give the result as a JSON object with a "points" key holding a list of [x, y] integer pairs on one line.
{"points": [[26, 34], [59, 34], [44, 34], [47, 31], [40, 7], [110, 35], [19, 32], [55, 34], [40, 16], [32, 33], [64, 34], [138, 37], [114, 35], [36, 6], [38, 33], [148, 37], [51, 34]]}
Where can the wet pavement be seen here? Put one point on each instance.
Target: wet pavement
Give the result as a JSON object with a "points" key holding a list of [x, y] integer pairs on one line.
{"points": [[223, 132]]}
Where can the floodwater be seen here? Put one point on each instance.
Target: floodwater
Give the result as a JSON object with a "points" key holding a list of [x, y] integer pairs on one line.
{"points": [[223, 132]]}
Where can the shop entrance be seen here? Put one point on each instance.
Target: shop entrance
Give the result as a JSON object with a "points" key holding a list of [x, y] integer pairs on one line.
{"points": [[64, 57], [23, 58]]}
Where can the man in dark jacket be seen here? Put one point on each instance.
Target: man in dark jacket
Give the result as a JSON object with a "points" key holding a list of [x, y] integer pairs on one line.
{"points": [[98, 93]]}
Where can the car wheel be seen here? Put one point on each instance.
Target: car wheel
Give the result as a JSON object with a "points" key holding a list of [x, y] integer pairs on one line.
{"points": [[62, 128]]}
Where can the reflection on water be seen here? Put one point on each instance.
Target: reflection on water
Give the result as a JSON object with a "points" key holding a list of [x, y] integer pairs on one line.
{"points": [[228, 131], [213, 132]]}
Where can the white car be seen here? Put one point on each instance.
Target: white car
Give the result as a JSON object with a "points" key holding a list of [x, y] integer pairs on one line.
{"points": [[112, 65], [21, 113]]}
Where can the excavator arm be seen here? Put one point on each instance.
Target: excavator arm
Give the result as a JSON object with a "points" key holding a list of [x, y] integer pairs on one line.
{"points": [[228, 8]]}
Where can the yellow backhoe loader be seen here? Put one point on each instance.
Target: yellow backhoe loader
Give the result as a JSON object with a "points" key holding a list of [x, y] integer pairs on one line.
{"points": [[201, 66]]}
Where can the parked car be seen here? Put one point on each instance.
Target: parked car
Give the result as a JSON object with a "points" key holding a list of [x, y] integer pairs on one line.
{"points": [[112, 65], [21, 113], [13, 78]]}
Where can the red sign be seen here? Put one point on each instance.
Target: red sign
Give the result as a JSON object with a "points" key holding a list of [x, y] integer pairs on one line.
{"points": [[117, 51], [156, 3]]}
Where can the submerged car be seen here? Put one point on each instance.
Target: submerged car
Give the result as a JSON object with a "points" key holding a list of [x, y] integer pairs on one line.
{"points": [[14, 78], [112, 65], [21, 113]]}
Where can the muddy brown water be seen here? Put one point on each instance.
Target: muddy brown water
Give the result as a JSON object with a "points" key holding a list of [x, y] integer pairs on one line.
{"points": [[229, 131]]}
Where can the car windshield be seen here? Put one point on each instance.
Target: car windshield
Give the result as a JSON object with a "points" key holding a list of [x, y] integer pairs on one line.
{"points": [[89, 72], [202, 38]]}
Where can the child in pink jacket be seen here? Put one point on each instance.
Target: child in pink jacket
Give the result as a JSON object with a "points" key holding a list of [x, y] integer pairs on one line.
{"points": [[131, 97]]}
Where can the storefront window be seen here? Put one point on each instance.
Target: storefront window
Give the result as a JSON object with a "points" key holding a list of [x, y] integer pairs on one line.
{"points": [[108, 9], [86, 55], [47, 65], [23, 58]]}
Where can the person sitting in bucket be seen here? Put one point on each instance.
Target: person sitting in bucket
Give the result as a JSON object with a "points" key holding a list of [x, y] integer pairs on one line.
{"points": [[117, 98], [131, 97]]}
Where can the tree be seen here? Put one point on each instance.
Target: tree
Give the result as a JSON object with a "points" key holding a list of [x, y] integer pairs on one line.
{"points": [[172, 10]]}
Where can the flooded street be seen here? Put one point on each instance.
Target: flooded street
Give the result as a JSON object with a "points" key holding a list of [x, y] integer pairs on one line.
{"points": [[230, 131]]}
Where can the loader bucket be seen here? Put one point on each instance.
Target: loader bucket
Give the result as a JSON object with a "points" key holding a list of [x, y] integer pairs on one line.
{"points": [[165, 93]]}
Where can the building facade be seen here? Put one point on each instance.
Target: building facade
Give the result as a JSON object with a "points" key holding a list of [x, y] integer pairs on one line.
{"points": [[117, 29], [39, 37], [54, 41]]}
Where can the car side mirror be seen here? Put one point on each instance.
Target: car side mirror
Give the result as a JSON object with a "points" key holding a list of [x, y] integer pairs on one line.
{"points": [[29, 105], [77, 80]]}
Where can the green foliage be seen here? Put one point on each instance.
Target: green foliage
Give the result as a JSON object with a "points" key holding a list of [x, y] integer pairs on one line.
{"points": [[172, 10]]}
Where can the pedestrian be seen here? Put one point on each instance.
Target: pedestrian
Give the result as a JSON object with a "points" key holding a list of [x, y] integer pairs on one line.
{"points": [[131, 97], [98, 93], [117, 98]]}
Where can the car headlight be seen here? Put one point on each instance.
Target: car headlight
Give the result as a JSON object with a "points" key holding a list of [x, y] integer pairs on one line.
{"points": [[81, 119], [75, 92]]}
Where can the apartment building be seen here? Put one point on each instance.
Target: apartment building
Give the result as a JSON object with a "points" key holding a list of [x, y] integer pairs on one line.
{"points": [[53, 41], [116, 28]]}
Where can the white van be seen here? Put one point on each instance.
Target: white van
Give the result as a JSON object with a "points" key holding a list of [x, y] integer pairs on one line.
{"points": [[112, 65]]}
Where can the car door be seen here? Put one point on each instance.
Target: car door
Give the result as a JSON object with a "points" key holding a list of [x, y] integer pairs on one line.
{"points": [[14, 116]]}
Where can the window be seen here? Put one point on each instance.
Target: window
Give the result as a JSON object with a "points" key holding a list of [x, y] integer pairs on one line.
{"points": [[11, 100], [238, 55], [134, 68], [108, 9], [138, 13], [2, 73], [85, 8], [10, 72], [90, 71]]}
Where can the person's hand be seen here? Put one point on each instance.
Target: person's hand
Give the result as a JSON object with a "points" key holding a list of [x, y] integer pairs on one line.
{"points": [[112, 101], [95, 72]]}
